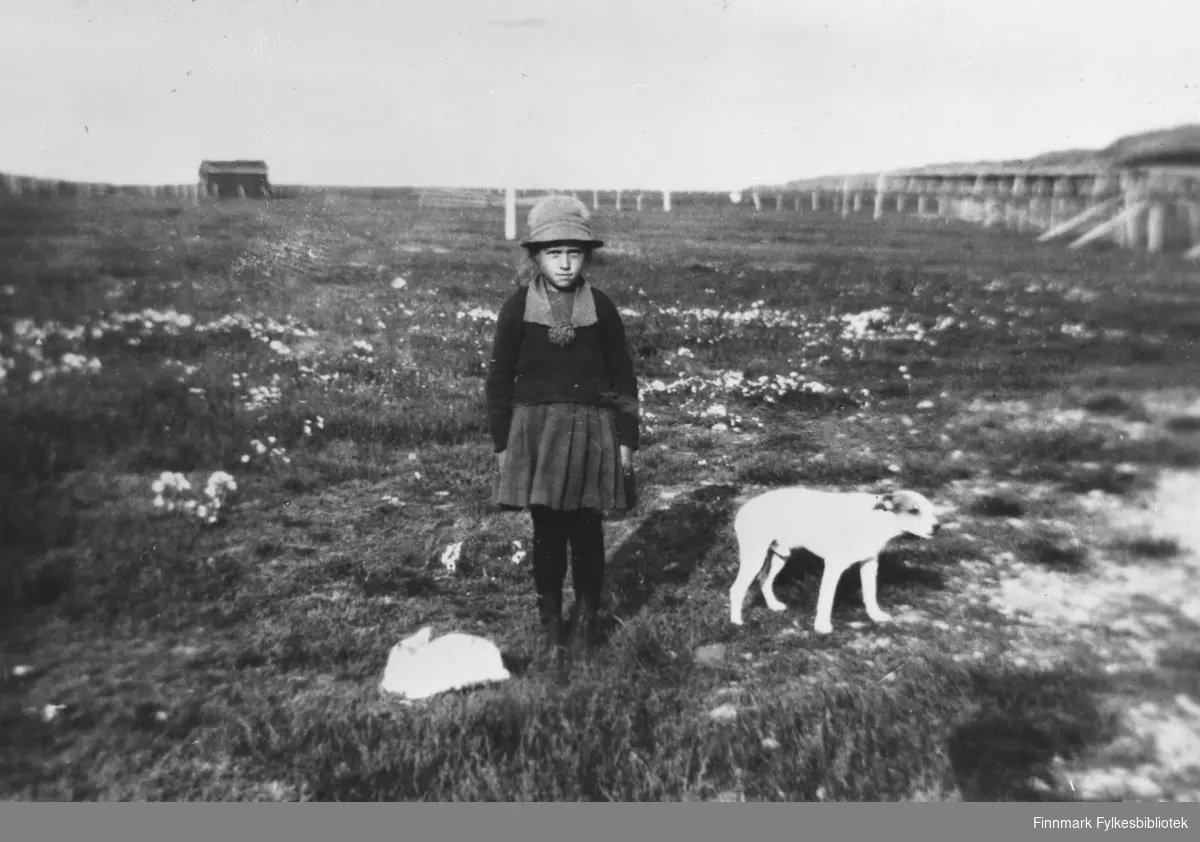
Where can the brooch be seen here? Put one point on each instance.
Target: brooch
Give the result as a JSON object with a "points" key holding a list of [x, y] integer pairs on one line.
{"points": [[562, 333]]}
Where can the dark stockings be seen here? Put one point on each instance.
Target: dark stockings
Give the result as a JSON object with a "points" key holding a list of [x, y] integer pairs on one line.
{"points": [[553, 532]]}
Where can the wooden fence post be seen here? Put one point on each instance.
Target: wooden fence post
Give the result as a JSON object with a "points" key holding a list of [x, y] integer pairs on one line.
{"points": [[510, 213], [881, 186]]}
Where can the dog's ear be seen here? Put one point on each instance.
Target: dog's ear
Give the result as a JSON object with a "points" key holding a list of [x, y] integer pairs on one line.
{"points": [[886, 502]]}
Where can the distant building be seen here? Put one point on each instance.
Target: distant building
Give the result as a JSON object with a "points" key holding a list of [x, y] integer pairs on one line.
{"points": [[229, 179]]}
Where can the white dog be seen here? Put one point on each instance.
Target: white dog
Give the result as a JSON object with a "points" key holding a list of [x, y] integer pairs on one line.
{"points": [[418, 667], [843, 529]]}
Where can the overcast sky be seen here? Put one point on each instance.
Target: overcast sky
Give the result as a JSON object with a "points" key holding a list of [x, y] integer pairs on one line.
{"points": [[679, 94]]}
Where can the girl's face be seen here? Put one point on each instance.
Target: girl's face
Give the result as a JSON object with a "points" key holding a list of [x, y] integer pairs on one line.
{"points": [[561, 263]]}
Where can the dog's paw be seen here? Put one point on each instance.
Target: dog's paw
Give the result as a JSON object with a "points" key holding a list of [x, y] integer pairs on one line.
{"points": [[880, 617], [823, 627], [777, 606]]}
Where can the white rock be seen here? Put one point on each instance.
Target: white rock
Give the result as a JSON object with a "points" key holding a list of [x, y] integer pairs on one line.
{"points": [[1102, 784], [50, 712], [1187, 705], [723, 713], [1144, 788], [1178, 747]]}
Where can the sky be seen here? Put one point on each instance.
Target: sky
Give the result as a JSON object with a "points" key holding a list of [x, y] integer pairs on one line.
{"points": [[602, 94]]}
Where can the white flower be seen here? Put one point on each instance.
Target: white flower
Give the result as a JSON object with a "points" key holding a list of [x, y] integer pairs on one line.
{"points": [[451, 555]]}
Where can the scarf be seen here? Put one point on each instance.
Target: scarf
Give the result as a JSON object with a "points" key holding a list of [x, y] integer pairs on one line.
{"points": [[538, 311]]}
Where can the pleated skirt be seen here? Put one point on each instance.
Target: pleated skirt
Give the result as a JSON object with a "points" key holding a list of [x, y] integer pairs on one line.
{"points": [[561, 455]]}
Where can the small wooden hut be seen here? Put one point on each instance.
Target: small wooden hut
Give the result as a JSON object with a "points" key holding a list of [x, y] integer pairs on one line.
{"points": [[231, 179]]}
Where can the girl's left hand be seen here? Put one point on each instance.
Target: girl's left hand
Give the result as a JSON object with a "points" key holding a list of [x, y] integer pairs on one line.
{"points": [[626, 457]]}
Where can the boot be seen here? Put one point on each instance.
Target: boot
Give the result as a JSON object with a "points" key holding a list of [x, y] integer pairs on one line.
{"points": [[550, 642], [583, 615]]}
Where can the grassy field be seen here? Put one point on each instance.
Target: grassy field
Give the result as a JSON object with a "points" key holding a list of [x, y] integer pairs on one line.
{"points": [[322, 357]]}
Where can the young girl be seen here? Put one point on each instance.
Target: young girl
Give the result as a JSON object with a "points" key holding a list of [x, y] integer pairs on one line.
{"points": [[563, 410]]}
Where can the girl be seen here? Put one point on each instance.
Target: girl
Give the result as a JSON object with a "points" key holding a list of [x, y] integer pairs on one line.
{"points": [[563, 411]]}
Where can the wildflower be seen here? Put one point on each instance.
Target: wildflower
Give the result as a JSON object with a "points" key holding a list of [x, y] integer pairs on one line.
{"points": [[478, 314], [451, 555]]}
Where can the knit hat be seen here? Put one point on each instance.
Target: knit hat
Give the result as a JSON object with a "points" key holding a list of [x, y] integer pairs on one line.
{"points": [[560, 219]]}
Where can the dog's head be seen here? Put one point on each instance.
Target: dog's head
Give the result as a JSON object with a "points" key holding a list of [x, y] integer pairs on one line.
{"points": [[913, 511]]}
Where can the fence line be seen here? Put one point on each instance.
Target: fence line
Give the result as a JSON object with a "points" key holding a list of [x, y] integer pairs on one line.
{"points": [[1154, 208], [12, 184], [1151, 208]]}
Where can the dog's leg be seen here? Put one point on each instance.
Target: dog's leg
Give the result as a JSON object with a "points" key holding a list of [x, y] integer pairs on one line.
{"points": [[870, 575], [834, 568], [751, 555], [768, 585]]}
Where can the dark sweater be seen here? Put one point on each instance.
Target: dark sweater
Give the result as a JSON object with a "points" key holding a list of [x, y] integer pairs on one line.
{"points": [[527, 368]]}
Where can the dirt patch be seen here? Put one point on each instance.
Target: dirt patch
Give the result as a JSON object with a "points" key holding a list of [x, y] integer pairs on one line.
{"points": [[1136, 614]]}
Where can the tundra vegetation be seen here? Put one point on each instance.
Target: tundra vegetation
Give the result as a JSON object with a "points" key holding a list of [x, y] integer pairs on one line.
{"points": [[239, 442]]}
